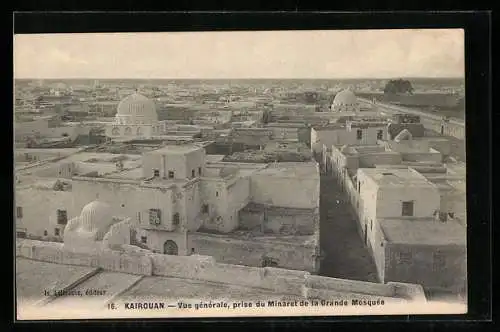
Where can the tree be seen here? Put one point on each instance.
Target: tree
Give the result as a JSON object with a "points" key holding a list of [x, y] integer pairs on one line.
{"points": [[398, 86]]}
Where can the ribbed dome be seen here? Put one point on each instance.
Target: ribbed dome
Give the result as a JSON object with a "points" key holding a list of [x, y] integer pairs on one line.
{"points": [[137, 108], [345, 100], [95, 216]]}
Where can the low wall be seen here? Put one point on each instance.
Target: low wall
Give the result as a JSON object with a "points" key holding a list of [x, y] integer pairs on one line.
{"points": [[112, 260], [290, 255], [279, 221], [349, 286], [431, 156], [385, 158], [204, 268]]}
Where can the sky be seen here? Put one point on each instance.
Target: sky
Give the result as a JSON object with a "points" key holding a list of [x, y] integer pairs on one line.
{"points": [[328, 54]]}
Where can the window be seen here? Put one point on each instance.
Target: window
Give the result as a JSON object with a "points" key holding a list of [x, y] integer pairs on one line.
{"points": [[21, 234], [192, 173], [138, 216], [19, 212], [154, 216], [380, 134], [359, 186], [217, 194], [175, 219], [199, 171], [156, 172], [144, 239], [404, 258], [57, 232], [359, 134], [204, 208], [45, 233], [62, 217], [170, 174], [407, 209], [439, 262]]}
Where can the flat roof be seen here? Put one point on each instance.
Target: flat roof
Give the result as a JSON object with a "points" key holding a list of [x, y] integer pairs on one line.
{"points": [[404, 231], [396, 177]]}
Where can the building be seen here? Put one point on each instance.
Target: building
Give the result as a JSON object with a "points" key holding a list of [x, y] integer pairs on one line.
{"points": [[345, 101], [343, 162], [136, 116], [180, 201], [398, 211]]}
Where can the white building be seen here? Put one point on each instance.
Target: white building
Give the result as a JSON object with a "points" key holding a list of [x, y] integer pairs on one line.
{"points": [[178, 198], [395, 193], [136, 117], [350, 133]]}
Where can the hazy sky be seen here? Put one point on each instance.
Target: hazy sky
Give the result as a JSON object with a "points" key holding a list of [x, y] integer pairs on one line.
{"points": [[269, 54]]}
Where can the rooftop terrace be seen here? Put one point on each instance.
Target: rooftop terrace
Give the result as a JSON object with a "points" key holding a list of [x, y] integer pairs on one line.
{"points": [[396, 177], [403, 231]]}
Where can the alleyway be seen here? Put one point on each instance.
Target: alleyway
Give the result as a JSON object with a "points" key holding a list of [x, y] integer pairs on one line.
{"points": [[341, 244]]}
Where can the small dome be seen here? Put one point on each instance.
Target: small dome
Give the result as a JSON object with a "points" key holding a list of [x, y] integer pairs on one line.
{"points": [[95, 216], [345, 100], [137, 107]]}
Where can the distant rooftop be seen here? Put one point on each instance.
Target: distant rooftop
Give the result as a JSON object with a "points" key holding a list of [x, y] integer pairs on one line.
{"points": [[404, 231]]}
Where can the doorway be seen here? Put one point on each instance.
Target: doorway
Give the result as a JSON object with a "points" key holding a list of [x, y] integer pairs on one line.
{"points": [[170, 248]]}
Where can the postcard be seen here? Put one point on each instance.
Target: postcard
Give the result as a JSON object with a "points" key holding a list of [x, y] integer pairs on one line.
{"points": [[240, 174]]}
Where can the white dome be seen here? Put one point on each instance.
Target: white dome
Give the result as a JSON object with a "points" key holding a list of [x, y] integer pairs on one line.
{"points": [[95, 216], [136, 109], [345, 100]]}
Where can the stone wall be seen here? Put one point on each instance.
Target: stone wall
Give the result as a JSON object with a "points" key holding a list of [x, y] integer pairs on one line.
{"points": [[204, 268], [279, 220], [294, 255], [112, 260]]}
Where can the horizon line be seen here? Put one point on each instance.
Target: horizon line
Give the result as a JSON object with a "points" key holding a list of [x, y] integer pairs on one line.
{"points": [[242, 78]]}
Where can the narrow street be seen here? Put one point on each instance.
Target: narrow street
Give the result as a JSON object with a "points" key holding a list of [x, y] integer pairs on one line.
{"points": [[345, 255]]}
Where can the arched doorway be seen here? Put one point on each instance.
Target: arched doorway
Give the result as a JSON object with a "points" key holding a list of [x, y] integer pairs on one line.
{"points": [[170, 248]]}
